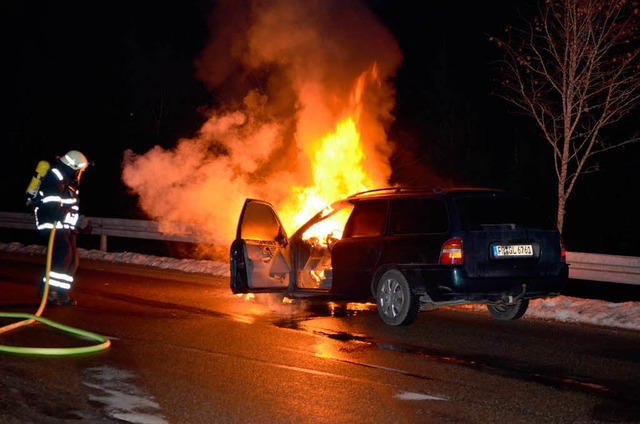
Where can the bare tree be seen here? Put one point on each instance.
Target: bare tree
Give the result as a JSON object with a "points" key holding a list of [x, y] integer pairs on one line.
{"points": [[575, 69]]}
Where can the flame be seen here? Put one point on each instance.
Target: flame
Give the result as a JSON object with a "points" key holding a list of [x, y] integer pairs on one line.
{"points": [[338, 170]]}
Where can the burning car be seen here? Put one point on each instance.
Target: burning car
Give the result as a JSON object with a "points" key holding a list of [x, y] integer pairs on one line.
{"points": [[406, 249]]}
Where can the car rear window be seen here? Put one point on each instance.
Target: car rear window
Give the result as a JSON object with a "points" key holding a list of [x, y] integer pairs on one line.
{"points": [[419, 216], [477, 213]]}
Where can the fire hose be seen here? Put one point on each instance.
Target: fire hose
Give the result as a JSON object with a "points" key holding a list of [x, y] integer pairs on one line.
{"points": [[31, 318]]}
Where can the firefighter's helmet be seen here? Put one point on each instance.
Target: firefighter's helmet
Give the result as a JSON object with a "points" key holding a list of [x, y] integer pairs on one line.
{"points": [[75, 160]]}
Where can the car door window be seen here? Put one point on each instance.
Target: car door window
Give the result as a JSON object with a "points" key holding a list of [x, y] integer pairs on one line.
{"points": [[259, 222], [419, 216], [367, 219]]}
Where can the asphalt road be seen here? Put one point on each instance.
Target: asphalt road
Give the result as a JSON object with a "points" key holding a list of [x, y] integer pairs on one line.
{"points": [[185, 350]]}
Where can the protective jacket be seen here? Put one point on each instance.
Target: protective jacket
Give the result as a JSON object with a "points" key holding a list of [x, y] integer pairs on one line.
{"points": [[58, 200]]}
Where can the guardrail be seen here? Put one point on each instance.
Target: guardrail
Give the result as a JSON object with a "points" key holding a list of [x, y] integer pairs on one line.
{"points": [[582, 266], [116, 227], [607, 268]]}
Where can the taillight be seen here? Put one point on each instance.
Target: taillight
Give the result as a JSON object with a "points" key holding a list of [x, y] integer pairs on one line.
{"points": [[563, 252], [451, 253]]}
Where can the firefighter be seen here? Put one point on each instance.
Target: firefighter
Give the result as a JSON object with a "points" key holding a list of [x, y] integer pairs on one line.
{"points": [[57, 202]]}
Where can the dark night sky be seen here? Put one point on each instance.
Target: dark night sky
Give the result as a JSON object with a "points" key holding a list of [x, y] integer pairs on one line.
{"points": [[85, 75]]}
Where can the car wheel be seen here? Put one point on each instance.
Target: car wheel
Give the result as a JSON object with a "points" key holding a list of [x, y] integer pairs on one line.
{"points": [[509, 312], [396, 304]]}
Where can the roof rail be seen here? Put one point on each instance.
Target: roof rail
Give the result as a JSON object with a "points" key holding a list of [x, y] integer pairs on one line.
{"points": [[400, 189], [391, 190]]}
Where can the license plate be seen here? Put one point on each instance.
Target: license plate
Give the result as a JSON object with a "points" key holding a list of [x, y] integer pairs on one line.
{"points": [[509, 250]]}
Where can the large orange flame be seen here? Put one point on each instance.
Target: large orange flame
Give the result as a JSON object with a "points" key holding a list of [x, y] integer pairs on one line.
{"points": [[338, 167]]}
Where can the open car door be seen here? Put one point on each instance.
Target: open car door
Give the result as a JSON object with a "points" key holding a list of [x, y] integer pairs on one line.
{"points": [[259, 258]]}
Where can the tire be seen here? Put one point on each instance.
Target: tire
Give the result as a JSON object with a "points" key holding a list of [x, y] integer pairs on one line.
{"points": [[396, 304], [509, 312]]}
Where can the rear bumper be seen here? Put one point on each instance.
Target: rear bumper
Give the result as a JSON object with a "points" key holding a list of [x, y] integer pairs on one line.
{"points": [[453, 284]]}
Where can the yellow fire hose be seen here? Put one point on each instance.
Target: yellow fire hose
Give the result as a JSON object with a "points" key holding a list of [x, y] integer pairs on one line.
{"points": [[30, 318]]}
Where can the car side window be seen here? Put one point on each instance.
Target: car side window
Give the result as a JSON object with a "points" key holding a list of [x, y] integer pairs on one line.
{"points": [[367, 219], [419, 216]]}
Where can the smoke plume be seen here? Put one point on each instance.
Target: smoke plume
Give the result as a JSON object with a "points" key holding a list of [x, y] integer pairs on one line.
{"points": [[283, 73]]}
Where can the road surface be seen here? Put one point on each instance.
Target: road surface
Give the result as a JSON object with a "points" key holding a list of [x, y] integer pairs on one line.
{"points": [[185, 350]]}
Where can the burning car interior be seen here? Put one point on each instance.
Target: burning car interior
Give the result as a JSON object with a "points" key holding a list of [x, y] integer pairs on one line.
{"points": [[313, 248]]}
